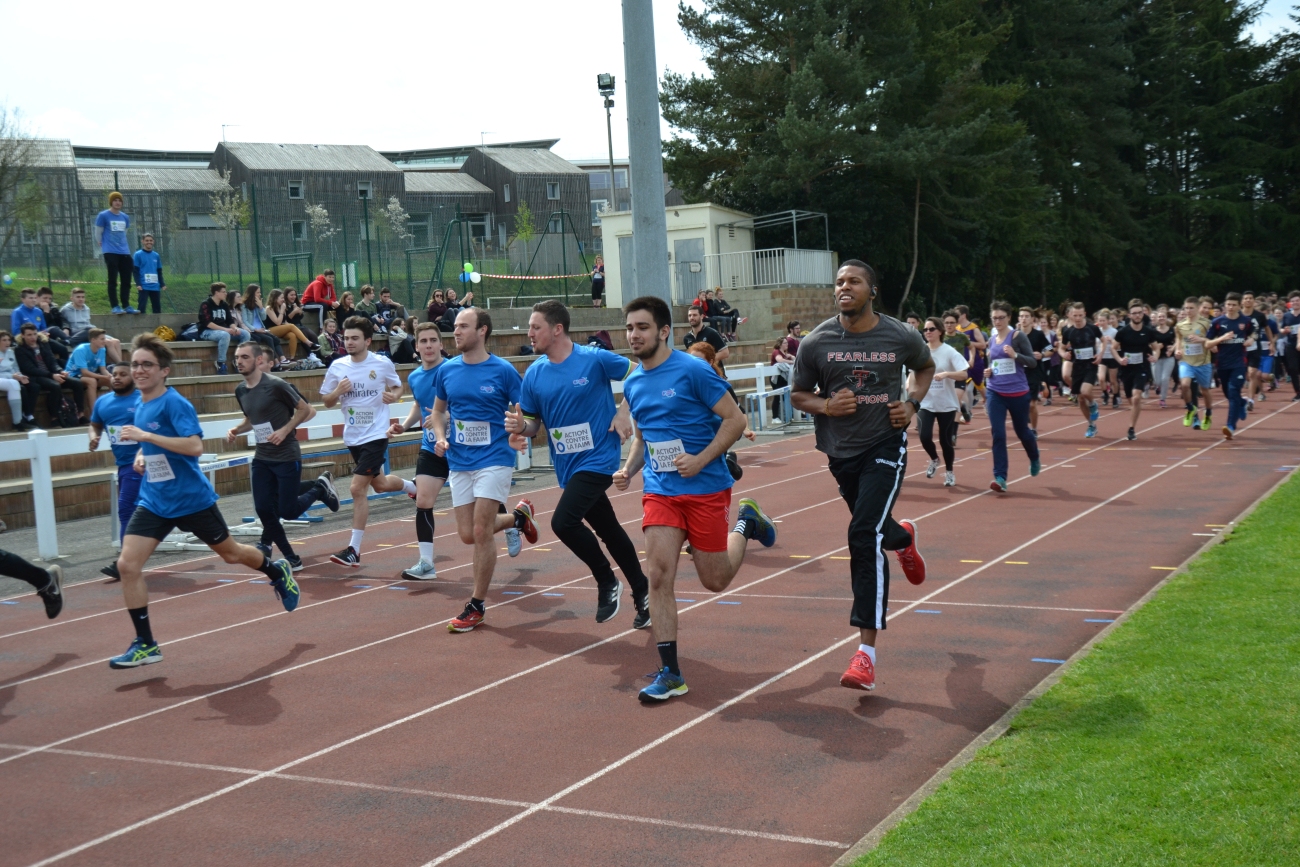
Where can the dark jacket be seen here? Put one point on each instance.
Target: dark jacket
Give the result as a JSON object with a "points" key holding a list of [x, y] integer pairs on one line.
{"points": [[26, 357], [210, 311]]}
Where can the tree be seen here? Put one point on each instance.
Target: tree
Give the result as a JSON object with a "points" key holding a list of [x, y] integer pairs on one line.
{"points": [[23, 200], [230, 210], [525, 227], [396, 220]]}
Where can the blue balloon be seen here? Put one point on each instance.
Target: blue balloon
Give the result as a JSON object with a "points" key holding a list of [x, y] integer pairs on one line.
{"points": [[464, 276]]}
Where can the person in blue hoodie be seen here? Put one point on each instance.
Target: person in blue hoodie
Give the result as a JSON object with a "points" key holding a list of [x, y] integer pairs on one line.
{"points": [[149, 274], [110, 235]]}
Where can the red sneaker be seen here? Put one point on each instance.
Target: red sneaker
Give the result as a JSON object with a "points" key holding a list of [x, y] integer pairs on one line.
{"points": [[861, 673], [525, 508], [468, 619], [910, 558]]}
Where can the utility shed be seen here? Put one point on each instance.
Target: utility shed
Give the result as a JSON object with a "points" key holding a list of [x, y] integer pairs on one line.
{"points": [[547, 182], [432, 198], [54, 168]]}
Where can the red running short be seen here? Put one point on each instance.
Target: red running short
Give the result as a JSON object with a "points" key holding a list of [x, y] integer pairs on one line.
{"points": [[704, 517]]}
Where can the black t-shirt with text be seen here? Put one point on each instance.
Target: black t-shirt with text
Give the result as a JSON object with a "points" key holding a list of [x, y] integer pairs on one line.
{"points": [[1082, 342], [1133, 342]]}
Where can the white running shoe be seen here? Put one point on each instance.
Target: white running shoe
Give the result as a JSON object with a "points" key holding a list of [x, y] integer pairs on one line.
{"points": [[949, 480], [931, 467], [421, 571], [513, 543]]}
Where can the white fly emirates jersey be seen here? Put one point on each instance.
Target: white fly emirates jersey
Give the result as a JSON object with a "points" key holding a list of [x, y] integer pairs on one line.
{"points": [[365, 415]]}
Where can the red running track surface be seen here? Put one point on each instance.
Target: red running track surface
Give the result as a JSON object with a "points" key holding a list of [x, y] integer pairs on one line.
{"points": [[357, 729]]}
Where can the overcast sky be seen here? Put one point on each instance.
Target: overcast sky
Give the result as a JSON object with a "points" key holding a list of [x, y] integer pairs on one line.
{"points": [[392, 75]]}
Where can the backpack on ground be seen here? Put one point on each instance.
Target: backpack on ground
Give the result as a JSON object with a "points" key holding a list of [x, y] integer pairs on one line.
{"points": [[68, 414]]}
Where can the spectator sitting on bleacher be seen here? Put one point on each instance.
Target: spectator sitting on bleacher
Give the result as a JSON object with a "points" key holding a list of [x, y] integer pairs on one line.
{"points": [[321, 291], [331, 343], [76, 318], [366, 306], [346, 308], [216, 323], [27, 311], [275, 318], [388, 311], [17, 388], [448, 320], [54, 329], [437, 307], [249, 320], [293, 313], [728, 315], [88, 366], [700, 331], [38, 364]]}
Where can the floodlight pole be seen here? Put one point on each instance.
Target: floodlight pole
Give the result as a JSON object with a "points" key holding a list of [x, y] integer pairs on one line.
{"points": [[645, 154]]}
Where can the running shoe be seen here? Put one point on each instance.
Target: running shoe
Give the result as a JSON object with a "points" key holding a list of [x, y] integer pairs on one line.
{"points": [[1189, 418], [117, 311], [423, 570], [524, 509], [1035, 467], [1162, 403], [965, 415], [949, 479], [1093, 412], [52, 594], [138, 654], [766, 532], [111, 571], [1033, 432], [1196, 425], [1207, 422], [665, 686], [998, 484], [347, 557], [1091, 431], [642, 603], [264, 548], [295, 563], [513, 544], [1228, 432], [221, 369], [909, 558], [470, 618], [131, 310], [1132, 434], [607, 604], [931, 468], [1250, 405], [286, 586], [861, 673], [328, 494]]}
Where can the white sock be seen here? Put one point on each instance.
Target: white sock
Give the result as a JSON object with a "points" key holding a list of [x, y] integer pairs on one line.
{"points": [[426, 551], [356, 540], [869, 651], [408, 486]]}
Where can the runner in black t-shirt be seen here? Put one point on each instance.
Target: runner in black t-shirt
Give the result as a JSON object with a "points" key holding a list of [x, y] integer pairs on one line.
{"points": [[1037, 374], [1255, 353], [1136, 345], [1081, 344]]}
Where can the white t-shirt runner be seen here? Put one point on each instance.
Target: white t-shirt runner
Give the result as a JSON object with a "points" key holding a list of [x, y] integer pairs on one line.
{"points": [[365, 415], [942, 396]]}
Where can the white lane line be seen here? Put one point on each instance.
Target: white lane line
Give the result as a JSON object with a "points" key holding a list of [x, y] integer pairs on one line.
{"points": [[962, 604]]}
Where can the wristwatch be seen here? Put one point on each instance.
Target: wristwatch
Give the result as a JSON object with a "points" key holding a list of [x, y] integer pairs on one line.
{"points": [[916, 404]]}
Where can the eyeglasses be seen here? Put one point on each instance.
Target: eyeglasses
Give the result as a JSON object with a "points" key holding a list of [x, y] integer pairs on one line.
{"points": [[143, 365], [999, 317], [929, 328]]}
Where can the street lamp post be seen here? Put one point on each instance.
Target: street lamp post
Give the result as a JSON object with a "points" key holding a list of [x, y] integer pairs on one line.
{"points": [[605, 84]]}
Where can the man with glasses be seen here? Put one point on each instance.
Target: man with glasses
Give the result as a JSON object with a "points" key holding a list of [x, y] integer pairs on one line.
{"points": [[1136, 347]]}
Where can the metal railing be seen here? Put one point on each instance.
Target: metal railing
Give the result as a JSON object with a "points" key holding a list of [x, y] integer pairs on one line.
{"points": [[777, 266]]}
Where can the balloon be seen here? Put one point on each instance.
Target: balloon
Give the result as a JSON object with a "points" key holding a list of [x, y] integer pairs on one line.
{"points": [[469, 267], [464, 277], [476, 277], [9, 278]]}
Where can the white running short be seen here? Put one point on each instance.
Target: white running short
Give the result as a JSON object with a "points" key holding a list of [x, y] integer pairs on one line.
{"points": [[489, 483]]}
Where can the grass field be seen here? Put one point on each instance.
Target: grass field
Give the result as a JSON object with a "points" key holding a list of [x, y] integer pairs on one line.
{"points": [[1175, 741]]}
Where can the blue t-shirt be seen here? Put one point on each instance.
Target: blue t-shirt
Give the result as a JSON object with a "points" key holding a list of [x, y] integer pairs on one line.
{"points": [[114, 226], [83, 358], [187, 490], [477, 397], [23, 314], [575, 403], [424, 388], [111, 412], [147, 265], [672, 406], [1232, 352]]}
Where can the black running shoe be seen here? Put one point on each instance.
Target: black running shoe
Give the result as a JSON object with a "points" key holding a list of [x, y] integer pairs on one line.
{"points": [[347, 557], [1132, 434], [111, 571], [295, 563], [264, 548], [607, 602], [52, 595], [642, 619], [328, 495]]}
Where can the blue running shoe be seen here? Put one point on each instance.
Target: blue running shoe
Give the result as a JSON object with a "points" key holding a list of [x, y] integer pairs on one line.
{"points": [[130, 310], [118, 311], [766, 534], [513, 544], [1093, 412], [999, 484], [1091, 431], [136, 655], [286, 586], [1035, 467], [665, 686]]}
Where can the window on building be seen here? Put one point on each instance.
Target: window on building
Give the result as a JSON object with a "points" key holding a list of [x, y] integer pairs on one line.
{"points": [[556, 226], [598, 180], [598, 207], [295, 189], [505, 192], [419, 229], [26, 237], [552, 190], [364, 190], [298, 230], [200, 221], [620, 179]]}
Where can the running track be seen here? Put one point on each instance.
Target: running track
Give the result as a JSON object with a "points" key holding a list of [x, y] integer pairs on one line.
{"points": [[358, 730]]}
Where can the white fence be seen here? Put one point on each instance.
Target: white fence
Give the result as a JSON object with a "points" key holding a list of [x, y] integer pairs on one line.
{"points": [[778, 266]]}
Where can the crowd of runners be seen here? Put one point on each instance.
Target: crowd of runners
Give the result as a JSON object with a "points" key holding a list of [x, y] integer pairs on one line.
{"points": [[861, 376]]}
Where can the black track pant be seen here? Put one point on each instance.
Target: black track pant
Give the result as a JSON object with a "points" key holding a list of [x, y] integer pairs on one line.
{"points": [[925, 427], [16, 567], [120, 266], [584, 498], [1291, 360], [280, 494], [869, 483]]}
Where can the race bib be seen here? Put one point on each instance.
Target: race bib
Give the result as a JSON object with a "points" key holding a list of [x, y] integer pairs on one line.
{"points": [[151, 278], [1004, 367], [473, 433], [1193, 348], [663, 453], [572, 439], [1134, 357], [1250, 344], [430, 437], [361, 417], [1084, 354], [263, 432], [117, 225], [157, 469], [115, 437]]}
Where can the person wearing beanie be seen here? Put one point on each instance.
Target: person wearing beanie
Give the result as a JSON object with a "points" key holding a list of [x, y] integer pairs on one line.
{"points": [[110, 235]]}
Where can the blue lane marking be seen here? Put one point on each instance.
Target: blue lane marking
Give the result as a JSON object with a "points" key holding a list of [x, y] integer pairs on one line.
{"points": [[225, 580], [397, 587], [1096, 620], [727, 602], [685, 600], [360, 586], [1052, 661], [257, 581], [925, 611], [9, 601], [512, 593], [552, 594]]}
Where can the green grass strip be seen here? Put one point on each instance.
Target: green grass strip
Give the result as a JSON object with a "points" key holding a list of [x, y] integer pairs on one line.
{"points": [[1175, 741]]}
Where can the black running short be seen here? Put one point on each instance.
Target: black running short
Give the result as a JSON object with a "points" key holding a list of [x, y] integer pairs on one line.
{"points": [[1082, 374], [1134, 377], [1034, 375], [368, 458], [1110, 363], [429, 464], [207, 525], [1254, 357]]}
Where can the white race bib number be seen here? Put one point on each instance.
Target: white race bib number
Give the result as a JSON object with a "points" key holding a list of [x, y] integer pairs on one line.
{"points": [[151, 278], [263, 432], [117, 225], [361, 417], [572, 439], [1004, 367], [1083, 354], [662, 455], [1193, 349], [1250, 344], [115, 437], [430, 437], [157, 469], [473, 433], [1134, 357]]}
